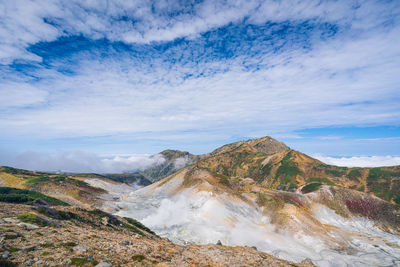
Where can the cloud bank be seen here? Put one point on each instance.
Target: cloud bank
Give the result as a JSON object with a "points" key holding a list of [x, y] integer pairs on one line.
{"points": [[361, 161], [81, 162]]}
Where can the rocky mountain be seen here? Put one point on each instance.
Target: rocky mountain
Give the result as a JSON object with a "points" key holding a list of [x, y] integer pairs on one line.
{"points": [[263, 194], [274, 165], [271, 164]]}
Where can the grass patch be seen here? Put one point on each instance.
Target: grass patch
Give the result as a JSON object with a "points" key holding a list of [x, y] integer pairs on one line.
{"points": [[21, 196], [139, 225], [336, 171], [48, 245], [354, 174], [79, 261], [322, 181], [310, 187], [13, 249], [32, 181], [68, 244], [32, 218], [138, 258], [288, 170], [381, 173], [397, 199], [58, 214], [6, 263]]}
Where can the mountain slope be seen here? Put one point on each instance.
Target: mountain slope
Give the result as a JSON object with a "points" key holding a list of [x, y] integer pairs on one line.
{"points": [[271, 164], [230, 195]]}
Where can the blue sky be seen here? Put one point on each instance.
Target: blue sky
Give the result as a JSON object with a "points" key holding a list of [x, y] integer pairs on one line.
{"points": [[134, 77]]}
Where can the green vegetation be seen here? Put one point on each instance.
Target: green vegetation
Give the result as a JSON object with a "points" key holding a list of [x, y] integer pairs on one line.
{"points": [[32, 218], [80, 261], [6, 263], [336, 171], [311, 187], [288, 170], [322, 181], [13, 249], [32, 181], [68, 244], [138, 258], [15, 171], [381, 182], [139, 225], [397, 199], [381, 173], [354, 174], [20, 196], [58, 214]]}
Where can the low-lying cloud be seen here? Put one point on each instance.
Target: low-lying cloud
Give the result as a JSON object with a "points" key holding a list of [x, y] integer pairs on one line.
{"points": [[79, 161], [361, 161]]}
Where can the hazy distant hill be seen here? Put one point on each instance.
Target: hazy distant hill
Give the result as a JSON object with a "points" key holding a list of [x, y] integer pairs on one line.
{"points": [[174, 160]]}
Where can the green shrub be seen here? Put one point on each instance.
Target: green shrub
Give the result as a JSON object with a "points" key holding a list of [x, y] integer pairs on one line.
{"points": [[397, 199], [310, 187], [21, 196], [32, 218], [58, 214], [381, 173], [138, 258], [288, 170], [68, 244], [322, 180], [336, 171], [354, 173], [80, 261], [6, 263], [139, 225]]}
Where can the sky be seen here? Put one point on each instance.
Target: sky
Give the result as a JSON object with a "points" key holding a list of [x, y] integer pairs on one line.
{"points": [[91, 81]]}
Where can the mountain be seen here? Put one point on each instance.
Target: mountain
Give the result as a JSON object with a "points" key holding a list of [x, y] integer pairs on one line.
{"points": [[174, 160], [263, 194], [271, 164]]}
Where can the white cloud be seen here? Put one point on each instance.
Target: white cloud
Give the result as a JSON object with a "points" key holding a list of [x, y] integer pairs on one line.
{"points": [[361, 161], [182, 162], [292, 89], [79, 161]]}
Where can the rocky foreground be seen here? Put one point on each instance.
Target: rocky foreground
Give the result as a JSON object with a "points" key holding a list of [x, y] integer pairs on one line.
{"points": [[32, 235]]}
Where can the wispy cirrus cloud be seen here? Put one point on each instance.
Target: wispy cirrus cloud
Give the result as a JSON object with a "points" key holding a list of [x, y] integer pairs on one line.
{"points": [[78, 69]]}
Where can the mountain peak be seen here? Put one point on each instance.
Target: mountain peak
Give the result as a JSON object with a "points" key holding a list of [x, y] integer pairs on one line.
{"points": [[267, 145]]}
